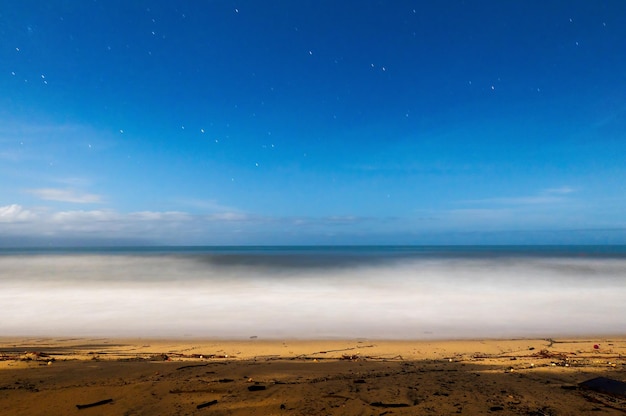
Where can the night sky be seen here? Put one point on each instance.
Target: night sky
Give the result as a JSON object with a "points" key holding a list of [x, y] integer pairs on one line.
{"points": [[312, 122]]}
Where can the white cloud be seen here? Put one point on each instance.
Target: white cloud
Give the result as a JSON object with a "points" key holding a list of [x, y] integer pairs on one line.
{"points": [[69, 217], [157, 227], [65, 195], [15, 213], [228, 216], [160, 216], [563, 190], [545, 197], [98, 225]]}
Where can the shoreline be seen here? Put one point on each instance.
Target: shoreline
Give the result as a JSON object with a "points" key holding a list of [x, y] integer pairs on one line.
{"points": [[77, 348], [294, 376]]}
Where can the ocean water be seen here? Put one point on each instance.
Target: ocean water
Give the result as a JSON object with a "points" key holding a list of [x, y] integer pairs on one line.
{"points": [[320, 292]]}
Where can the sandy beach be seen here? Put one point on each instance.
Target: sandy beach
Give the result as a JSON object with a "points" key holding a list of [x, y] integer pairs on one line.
{"points": [[89, 376]]}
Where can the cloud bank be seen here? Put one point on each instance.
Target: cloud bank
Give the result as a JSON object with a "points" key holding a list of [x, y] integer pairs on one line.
{"points": [[43, 227], [551, 216]]}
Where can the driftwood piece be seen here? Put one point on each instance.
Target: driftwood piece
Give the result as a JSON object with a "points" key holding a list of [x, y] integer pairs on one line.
{"points": [[381, 404], [100, 403], [225, 380], [191, 366], [207, 404], [178, 391], [335, 396]]}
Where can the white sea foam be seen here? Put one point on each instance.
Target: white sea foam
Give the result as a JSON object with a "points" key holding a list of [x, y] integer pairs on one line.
{"points": [[178, 296]]}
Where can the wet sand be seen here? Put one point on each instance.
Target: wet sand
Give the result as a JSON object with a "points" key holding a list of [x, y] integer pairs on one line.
{"points": [[47, 376]]}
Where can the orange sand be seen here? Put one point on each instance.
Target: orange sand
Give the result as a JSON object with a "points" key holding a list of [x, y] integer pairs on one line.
{"points": [[300, 377]]}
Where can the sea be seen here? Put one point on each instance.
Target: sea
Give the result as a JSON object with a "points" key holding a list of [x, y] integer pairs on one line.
{"points": [[356, 292]]}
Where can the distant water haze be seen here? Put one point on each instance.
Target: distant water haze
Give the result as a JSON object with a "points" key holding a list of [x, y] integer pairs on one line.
{"points": [[325, 293]]}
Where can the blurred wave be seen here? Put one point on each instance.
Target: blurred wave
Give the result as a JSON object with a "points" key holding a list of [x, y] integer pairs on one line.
{"points": [[322, 293]]}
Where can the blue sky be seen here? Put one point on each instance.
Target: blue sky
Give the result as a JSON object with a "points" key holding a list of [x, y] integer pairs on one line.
{"points": [[312, 122]]}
